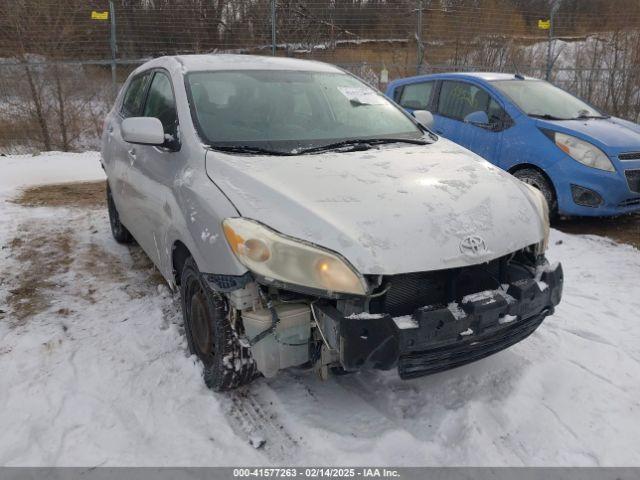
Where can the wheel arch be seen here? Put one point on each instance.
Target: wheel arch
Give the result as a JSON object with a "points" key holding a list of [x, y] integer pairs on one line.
{"points": [[554, 208], [179, 255], [523, 166]]}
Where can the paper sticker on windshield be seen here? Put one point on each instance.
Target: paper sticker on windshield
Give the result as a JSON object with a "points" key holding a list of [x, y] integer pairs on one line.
{"points": [[361, 95]]}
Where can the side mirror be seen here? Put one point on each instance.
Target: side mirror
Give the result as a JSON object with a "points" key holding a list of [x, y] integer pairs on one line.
{"points": [[479, 119], [424, 118], [144, 130]]}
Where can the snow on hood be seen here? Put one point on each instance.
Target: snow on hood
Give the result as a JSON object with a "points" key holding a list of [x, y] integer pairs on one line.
{"points": [[389, 210]]}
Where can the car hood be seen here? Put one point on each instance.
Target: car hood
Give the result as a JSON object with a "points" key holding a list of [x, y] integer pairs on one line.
{"points": [[389, 210], [608, 133]]}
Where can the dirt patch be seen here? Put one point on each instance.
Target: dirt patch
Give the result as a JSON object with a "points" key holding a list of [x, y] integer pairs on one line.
{"points": [[76, 194], [44, 256], [624, 229], [98, 264], [47, 249], [143, 263], [102, 265]]}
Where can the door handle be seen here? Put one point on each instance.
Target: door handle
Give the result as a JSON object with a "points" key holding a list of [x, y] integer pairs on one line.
{"points": [[132, 153]]}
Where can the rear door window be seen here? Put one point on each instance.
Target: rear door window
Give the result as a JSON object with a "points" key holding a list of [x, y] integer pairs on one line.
{"points": [[416, 96], [459, 99], [134, 96]]}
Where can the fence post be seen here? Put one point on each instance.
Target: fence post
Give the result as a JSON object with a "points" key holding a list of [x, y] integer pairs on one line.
{"points": [[114, 49], [549, 47], [419, 46], [273, 27], [555, 4]]}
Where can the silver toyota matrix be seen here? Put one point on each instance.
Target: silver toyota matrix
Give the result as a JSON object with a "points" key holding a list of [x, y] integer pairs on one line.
{"points": [[309, 222]]}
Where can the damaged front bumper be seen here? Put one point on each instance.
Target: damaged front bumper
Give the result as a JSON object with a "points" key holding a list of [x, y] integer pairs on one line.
{"points": [[441, 337]]}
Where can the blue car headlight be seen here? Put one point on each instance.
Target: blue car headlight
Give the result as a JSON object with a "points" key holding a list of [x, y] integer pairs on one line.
{"points": [[583, 152]]}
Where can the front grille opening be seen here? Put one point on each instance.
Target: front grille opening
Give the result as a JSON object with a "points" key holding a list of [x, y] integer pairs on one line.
{"points": [[629, 156], [408, 292], [411, 291], [405, 293], [630, 202]]}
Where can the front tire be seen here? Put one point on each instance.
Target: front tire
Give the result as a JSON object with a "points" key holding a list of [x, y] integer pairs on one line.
{"points": [[118, 230], [227, 364], [538, 180]]}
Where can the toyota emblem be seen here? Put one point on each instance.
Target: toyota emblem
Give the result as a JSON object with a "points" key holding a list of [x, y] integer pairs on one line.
{"points": [[473, 246]]}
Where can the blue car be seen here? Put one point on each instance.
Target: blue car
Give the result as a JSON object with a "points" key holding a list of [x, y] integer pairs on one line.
{"points": [[586, 163]]}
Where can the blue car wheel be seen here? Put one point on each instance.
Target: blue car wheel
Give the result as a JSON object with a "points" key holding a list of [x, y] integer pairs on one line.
{"points": [[537, 179]]}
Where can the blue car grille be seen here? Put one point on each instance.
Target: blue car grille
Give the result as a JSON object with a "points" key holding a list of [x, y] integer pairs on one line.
{"points": [[629, 156], [633, 179], [632, 202]]}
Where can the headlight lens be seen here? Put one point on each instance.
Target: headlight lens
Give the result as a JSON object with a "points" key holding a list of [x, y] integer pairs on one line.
{"points": [[544, 214], [275, 256], [583, 152]]}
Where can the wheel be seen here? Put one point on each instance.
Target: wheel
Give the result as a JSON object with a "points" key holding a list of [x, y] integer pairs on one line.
{"points": [[536, 179], [118, 230], [227, 364], [338, 371]]}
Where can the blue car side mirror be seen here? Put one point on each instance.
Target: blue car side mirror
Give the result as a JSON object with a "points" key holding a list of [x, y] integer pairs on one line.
{"points": [[479, 119], [424, 118]]}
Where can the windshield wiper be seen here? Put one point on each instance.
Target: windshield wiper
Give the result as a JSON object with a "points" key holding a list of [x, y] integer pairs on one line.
{"points": [[413, 141], [546, 116], [359, 144], [587, 117], [247, 149]]}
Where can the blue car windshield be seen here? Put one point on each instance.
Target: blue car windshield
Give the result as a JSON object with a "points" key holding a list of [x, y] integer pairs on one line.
{"points": [[287, 111], [538, 98]]}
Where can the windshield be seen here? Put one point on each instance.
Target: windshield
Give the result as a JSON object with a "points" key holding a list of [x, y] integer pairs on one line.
{"points": [[283, 110], [540, 98]]}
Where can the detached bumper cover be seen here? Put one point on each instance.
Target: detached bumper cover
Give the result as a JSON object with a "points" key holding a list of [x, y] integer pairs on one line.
{"points": [[438, 338]]}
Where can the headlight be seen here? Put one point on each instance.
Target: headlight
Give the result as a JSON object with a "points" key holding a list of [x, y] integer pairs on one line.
{"points": [[583, 152], [544, 214], [275, 256]]}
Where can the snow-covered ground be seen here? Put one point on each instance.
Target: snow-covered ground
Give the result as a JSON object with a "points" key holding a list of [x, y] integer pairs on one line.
{"points": [[94, 368]]}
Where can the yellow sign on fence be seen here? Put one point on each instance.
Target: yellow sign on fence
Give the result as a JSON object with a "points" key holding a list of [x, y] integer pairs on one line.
{"points": [[99, 15], [544, 24]]}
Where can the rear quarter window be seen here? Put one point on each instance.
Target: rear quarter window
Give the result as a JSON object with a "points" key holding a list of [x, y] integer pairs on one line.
{"points": [[416, 96]]}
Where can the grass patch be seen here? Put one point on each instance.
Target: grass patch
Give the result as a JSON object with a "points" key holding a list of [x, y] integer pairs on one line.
{"points": [[76, 194]]}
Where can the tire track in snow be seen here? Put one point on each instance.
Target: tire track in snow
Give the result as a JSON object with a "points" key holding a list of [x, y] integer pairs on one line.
{"points": [[254, 419]]}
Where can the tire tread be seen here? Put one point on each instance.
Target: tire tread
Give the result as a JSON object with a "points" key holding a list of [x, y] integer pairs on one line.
{"points": [[118, 230], [219, 376]]}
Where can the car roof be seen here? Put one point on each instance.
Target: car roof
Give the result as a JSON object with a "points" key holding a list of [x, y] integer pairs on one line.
{"points": [[209, 62], [484, 76]]}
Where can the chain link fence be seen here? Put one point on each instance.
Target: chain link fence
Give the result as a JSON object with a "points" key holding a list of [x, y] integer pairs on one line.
{"points": [[62, 62]]}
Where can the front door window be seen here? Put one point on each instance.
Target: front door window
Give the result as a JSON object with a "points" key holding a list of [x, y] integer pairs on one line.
{"points": [[161, 104]]}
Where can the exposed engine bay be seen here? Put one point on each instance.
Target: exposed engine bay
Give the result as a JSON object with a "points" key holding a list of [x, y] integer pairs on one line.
{"points": [[419, 323]]}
